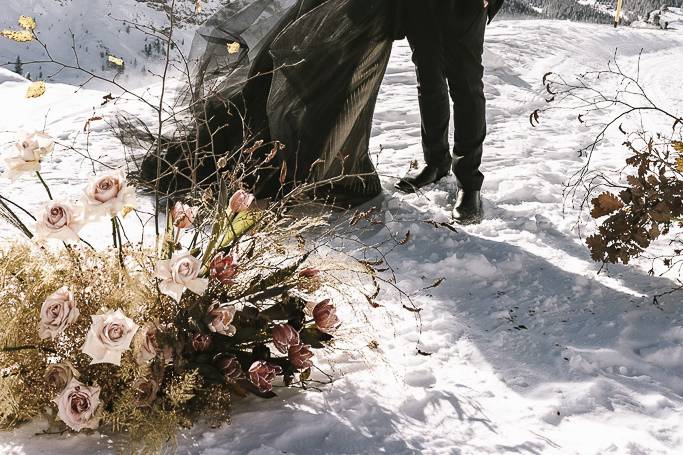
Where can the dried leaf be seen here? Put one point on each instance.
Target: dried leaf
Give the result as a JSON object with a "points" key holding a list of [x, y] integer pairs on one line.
{"points": [[283, 173], [605, 204], [27, 23], [115, 60], [22, 36], [36, 89]]}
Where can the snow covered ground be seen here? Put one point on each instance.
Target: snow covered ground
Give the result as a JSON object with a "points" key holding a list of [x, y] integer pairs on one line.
{"points": [[529, 349]]}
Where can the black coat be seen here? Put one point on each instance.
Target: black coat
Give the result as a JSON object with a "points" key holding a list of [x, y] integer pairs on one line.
{"points": [[399, 32]]}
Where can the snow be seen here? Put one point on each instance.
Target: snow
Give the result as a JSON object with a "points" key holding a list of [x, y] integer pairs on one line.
{"points": [[527, 349]]}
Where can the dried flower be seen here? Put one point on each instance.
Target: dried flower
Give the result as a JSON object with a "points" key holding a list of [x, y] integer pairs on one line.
{"points": [[241, 201], [57, 312], [325, 316], [201, 342], [231, 369], [58, 375], [77, 404], [58, 220], [108, 194], [183, 215], [109, 337], [219, 319], [147, 347], [179, 273], [284, 336], [262, 374], [145, 390], [31, 148], [300, 356], [223, 268]]}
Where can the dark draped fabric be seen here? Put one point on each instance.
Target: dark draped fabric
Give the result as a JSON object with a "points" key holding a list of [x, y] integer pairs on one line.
{"points": [[307, 74]]}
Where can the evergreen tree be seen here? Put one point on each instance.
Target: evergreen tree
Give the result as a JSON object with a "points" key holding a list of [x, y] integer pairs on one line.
{"points": [[18, 66]]}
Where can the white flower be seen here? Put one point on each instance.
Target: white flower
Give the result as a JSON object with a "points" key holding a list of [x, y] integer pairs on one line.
{"points": [[108, 194], [30, 151], [179, 273], [57, 312], [58, 220], [109, 337], [77, 404]]}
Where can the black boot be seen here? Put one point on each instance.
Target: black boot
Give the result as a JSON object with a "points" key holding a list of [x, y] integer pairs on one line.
{"points": [[468, 208], [426, 176]]}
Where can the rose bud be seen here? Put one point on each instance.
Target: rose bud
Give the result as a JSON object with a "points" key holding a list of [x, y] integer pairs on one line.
{"points": [[77, 405], [284, 336], [145, 390], [230, 368], [219, 319], [201, 342], [224, 268], [325, 316], [241, 201], [262, 375], [58, 375], [309, 273], [300, 356], [183, 215]]}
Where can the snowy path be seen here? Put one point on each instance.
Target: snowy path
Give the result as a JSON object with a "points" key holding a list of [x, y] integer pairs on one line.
{"points": [[531, 351]]}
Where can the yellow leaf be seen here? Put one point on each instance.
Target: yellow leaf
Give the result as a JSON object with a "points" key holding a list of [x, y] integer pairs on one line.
{"points": [[36, 89], [22, 36], [678, 146], [234, 48], [115, 60], [197, 6], [27, 23], [126, 210]]}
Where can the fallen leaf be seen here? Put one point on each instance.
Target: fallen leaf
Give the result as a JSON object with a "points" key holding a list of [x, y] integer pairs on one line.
{"points": [[36, 89], [234, 48], [115, 60]]}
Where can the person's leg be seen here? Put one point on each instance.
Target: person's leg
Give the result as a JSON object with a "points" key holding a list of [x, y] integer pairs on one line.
{"points": [[463, 48], [421, 27]]}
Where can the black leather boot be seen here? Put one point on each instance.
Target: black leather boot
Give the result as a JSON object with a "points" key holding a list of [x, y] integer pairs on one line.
{"points": [[468, 208], [426, 176]]}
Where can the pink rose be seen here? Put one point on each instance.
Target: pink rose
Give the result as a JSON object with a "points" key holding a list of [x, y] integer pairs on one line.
{"points": [[109, 337], [183, 215], [59, 221], [231, 369], [58, 311], [77, 404], [223, 268], [262, 374], [284, 336], [201, 342], [58, 375], [108, 194], [179, 273], [300, 356], [241, 201], [325, 316], [219, 319]]}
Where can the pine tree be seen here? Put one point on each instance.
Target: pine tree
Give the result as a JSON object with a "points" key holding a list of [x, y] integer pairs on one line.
{"points": [[18, 66]]}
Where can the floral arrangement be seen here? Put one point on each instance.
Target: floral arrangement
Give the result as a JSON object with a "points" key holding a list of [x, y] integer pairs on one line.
{"points": [[145, 341]]}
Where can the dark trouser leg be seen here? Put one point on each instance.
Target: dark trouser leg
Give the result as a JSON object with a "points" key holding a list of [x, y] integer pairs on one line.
{"points": [[421, 26], [463, 44]]}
